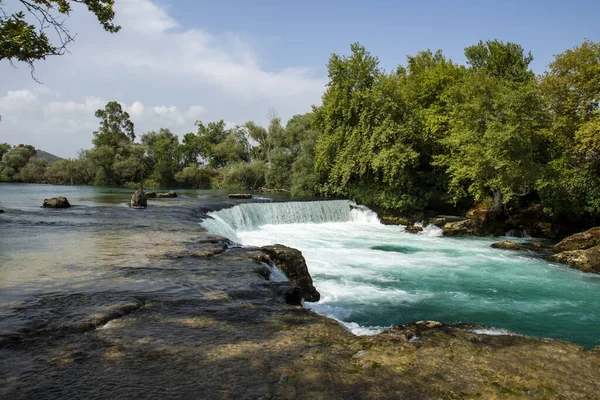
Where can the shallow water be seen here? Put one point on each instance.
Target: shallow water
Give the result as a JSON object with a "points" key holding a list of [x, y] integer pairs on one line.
{"points": [[373, 276]]}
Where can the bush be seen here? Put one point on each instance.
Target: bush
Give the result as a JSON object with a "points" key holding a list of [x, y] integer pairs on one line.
{"points": [[244, 175], [193, 176]]}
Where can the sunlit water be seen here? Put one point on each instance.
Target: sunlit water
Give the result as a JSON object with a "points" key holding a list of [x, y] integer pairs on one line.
{"points": [[373, 276]]}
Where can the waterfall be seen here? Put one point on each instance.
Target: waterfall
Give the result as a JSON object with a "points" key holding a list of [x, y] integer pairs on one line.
{"points": [[250, 216]]}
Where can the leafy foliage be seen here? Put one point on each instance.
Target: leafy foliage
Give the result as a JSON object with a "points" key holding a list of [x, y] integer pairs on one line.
{"points": [[24, 41]]}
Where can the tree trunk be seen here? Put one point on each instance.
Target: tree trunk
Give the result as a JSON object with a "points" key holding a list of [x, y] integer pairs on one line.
{"points": [[497, 202]]}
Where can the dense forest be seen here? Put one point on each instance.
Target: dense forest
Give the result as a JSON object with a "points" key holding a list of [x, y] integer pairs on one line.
{"points": [[429, 134]]}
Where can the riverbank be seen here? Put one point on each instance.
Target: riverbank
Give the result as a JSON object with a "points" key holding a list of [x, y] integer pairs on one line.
{"points": [[165, 309]]}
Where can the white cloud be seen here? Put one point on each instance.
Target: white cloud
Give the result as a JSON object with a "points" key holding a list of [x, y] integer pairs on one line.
{"points": [[162, 73], [74, 122]]}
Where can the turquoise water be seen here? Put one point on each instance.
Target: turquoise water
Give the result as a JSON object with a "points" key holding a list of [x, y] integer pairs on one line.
{"points": [[373, 276]]}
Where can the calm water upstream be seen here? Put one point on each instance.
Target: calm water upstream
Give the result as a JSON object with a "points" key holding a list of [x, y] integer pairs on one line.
{"points": [[370, 276]]}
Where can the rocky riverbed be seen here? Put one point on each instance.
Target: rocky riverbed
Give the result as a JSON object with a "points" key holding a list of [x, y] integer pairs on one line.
{"points": [[185, 314]]}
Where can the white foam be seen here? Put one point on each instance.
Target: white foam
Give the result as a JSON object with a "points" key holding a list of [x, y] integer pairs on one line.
{"points": [[493, 331], [362, 330], [432, 231]]}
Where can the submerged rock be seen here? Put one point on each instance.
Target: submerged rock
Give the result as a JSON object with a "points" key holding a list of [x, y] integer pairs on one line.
{"points": [[414, 229], [506, 245], [138, 200], [580, 241], [239, 196], [293, 265], [584, 260], [56, 202]]}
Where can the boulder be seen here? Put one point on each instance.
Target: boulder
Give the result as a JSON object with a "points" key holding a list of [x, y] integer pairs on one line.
{"points": [[584, 260], [1, 211], [487, 221], [169, 195], [138, 200], [466, 227], [293, 265], [389, 220], [439, 222], [239, 196], [57, 202], [506, 245], [580, 241], [414, 229]]}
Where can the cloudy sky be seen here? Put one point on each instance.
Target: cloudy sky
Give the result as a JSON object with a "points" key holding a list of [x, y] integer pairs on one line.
{"points": [[178, 61]]}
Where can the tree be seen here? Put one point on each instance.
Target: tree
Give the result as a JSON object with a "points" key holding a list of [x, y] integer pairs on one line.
{"points": [[4, 148], [67, 171], [15, 159], [495, 143], [571, 88], [244, 175], [116, 129], [24, 41], [33, 171], [194, 176], [163, 154]]}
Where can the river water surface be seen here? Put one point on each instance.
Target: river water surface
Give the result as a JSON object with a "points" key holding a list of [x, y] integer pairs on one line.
{"points": [[373, 276], [370, 276]]}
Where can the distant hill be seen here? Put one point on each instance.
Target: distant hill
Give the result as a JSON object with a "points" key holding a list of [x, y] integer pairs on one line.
{"points": [[51, 158]]}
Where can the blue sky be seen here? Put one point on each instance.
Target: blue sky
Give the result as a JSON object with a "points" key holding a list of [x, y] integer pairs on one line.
{"points": [[307, 32], [176, 61]]}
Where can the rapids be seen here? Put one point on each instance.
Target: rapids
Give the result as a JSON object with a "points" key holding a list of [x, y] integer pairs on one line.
{"points": [[373, 276]]}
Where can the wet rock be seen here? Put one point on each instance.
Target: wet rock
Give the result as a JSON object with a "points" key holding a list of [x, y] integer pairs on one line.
{"points": [[466, 227], [429, 324], [138, 200], [489, 221], [164, 195], [269, 190], [584, 260], [506, 245], [414, 229], [389, 220], [293, 265], [57, 202], [439, 222], [1, 211], [580, 241], [239, 196]]}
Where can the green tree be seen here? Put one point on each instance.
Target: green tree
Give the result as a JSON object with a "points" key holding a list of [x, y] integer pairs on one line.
{"points": [[67, 171], [194, 176], [99, 164], [14, 160], [24, 41], [116, 129], [380, 131], [244, 175], [234, 148], [4, 148], [571, 88], [495, 144], [163, 149], [33, 171]]}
